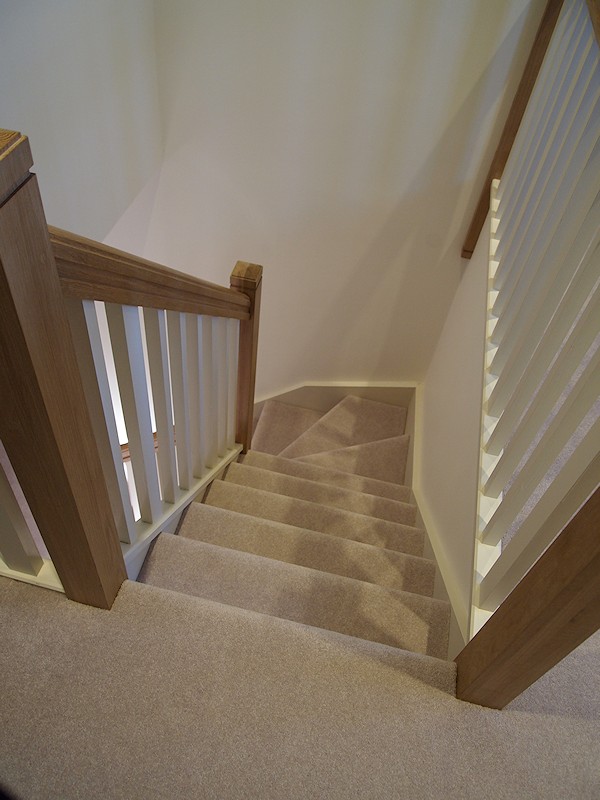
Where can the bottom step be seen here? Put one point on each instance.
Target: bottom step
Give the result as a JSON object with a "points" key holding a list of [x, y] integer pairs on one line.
{"points": [[355, 608]]}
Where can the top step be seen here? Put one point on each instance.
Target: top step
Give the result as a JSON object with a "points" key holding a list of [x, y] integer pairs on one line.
{"points": [[280, 424], [354, 420]]}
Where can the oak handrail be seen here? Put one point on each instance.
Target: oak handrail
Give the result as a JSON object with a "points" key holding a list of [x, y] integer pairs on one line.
{"points": [[515, 115], [554, 608], [90, 270]]}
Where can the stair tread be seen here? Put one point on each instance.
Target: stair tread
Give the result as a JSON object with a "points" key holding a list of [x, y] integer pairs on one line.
{"points": [[313, 516], [334, 496], [334, 477], [384, 459], [309, 548], [273, 644], [354, 420], [280, 424], [355, 608]]}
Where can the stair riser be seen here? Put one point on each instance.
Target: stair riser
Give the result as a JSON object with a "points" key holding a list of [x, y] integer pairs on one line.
{"points": [[381, 508]]}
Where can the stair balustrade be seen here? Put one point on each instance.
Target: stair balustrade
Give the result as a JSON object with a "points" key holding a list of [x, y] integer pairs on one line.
{"points": [[95, 340], [540, 462]]}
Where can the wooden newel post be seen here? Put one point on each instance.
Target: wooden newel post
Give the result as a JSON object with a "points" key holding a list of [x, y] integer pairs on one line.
{"points": [[44, 422], [247, 278]]}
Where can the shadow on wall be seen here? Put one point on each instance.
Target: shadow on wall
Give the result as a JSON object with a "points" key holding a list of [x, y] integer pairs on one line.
{"points": [[415, 255]]}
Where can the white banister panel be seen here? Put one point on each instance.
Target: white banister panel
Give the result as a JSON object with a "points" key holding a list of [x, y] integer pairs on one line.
{"points": [[155, 325], [126, 337], [570, 244], [566, 340], [516, 204], [529, 133], [555, 196], [541, 402]]}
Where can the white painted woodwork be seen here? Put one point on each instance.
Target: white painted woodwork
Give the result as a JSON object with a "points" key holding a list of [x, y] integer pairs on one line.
{"points": [[83, 318], [233, 338], [572, 243], [193, 350], [135, 554], [155, 326], [523, 550], [126, 337], [179, 384], [533, 120], [220, 377], [516, 205], [541, 420], [18, 549], [208, 392]]}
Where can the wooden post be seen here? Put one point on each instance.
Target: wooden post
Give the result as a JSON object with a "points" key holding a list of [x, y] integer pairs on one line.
{"points": [[45, 424], [247, 278], [549, 613]]}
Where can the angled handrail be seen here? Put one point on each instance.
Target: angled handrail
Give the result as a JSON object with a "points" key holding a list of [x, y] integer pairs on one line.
{"points": [[90, 270], [511, 126]]}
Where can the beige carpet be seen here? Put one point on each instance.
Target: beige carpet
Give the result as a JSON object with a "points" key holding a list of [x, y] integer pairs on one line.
{"points": [[286, 644], [168, 696]]}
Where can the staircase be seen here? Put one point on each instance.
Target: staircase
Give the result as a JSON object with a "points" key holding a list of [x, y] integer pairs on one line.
{"points": [[315, 527]]}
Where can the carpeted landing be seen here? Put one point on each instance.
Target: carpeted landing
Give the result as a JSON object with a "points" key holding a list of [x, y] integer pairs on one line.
{"points": [[313, 544], [286, 644]]}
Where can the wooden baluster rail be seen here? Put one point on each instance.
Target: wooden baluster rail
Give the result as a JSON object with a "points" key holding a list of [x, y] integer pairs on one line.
{"points": [[45, 425], [515, 115]]}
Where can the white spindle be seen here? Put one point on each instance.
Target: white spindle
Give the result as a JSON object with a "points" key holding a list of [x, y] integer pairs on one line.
{"points": [[192, 323], [181, 406], [83, 318], [533, 119], [550, 338], [513, 203], [126, 336], [209, 393], [220, 377], [158, 359]]}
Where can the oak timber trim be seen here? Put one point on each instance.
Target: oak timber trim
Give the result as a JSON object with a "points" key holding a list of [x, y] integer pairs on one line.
{"points": [[515, 115], [90, 270], [554, 608], [247, 278], [45, 425], [594, 9]]}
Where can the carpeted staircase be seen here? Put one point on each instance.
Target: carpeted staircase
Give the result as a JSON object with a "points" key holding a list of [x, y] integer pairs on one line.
{"points": [[315, 526]]}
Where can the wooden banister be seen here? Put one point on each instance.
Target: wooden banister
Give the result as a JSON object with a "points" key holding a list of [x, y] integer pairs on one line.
{"points": [[549, 613], [594, 9], [247, 278], [515, 115], [45, 424], [90, 270]]}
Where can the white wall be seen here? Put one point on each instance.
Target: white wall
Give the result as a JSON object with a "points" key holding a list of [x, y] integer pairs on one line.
{"points": [[448, 429], [79, 78], [341, 145]]}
